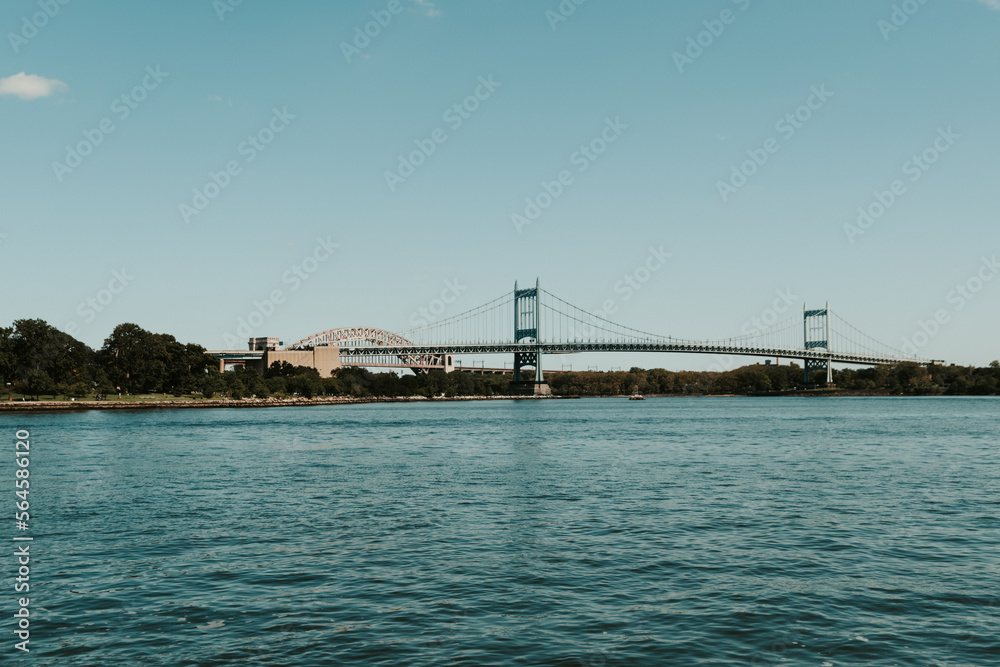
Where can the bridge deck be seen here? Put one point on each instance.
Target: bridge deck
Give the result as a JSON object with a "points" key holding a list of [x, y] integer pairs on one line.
{"points": [[563, 348], [366, 354]]}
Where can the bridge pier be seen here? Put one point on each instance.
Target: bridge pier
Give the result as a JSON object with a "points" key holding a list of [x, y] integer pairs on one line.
{"points": [[527, 310], [816, 335], [529, 389], [811, 365], [536, 387]]}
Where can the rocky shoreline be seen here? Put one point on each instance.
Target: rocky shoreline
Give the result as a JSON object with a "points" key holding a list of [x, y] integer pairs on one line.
{"points": [[38, 406], [44, 406]]}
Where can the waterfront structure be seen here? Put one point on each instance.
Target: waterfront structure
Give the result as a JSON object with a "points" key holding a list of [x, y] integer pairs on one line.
{"points": [[526, 325]]}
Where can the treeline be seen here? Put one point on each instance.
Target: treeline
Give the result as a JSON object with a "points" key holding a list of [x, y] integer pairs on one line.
{"points": [[282, 380], [902, 379], [912, 379], [37, 359], [907, 379], [748, 379]]}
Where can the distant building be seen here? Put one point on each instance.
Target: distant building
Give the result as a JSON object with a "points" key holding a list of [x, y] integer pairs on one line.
{"points": [[264, 344], [324, 357]]}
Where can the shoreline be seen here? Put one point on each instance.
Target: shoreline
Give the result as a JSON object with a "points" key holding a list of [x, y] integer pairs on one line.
{"points": [[205, 404], [44, 406]]}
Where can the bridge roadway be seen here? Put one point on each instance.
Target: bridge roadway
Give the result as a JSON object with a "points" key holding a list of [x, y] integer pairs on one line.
{"points": [[564, 348]]}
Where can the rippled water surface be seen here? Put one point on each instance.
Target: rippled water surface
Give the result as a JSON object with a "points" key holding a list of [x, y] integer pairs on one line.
{"points": [[567, 532]]}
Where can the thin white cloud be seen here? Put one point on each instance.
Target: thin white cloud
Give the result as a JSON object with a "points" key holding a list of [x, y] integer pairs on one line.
{"points": [[30, 86], [992, 4], [426, 7]]}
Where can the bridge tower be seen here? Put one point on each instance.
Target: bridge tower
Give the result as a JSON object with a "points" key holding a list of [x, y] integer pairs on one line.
{"points": [[816, 334], [527, 328]]}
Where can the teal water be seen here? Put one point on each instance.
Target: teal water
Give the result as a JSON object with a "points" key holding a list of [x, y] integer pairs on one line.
{"points": [[588, 532]]}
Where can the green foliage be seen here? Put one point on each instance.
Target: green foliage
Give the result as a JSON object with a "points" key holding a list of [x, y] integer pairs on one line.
{"points": [[911, 379], [245, 383], [140, 361], [127, 357], [236, 389], [277, 385], [745, 380], [35, 356], [35, 382], [283, 369], [359, 382], [74, 390], [212, 383], [7, 364], [285, 378]]}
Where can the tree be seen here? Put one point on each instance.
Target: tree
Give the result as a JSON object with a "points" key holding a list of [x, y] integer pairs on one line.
{"points": [[305, 384], [75, 389], [236, 389], [243, 382], [909, 377], [129, 358], [36, 382], [34, 347], [7, 365], [277, 385], [331, 386], [212, 383], [184, 367], [751, 379]]}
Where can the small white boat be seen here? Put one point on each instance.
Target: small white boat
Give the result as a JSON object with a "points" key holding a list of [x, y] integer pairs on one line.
{"points": [[636, 396]]}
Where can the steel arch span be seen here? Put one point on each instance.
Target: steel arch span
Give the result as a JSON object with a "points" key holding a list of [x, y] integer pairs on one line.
{"points": [[362, 335], [362, 338]]}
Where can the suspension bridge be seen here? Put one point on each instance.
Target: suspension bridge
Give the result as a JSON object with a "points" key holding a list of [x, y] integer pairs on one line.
{"points": [[530, 323]]}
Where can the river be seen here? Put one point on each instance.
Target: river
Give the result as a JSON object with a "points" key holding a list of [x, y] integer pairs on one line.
{"points": [[595, 532]]}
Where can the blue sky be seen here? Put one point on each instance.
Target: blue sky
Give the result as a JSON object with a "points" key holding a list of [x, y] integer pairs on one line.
{"points": [[199, 79]]}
